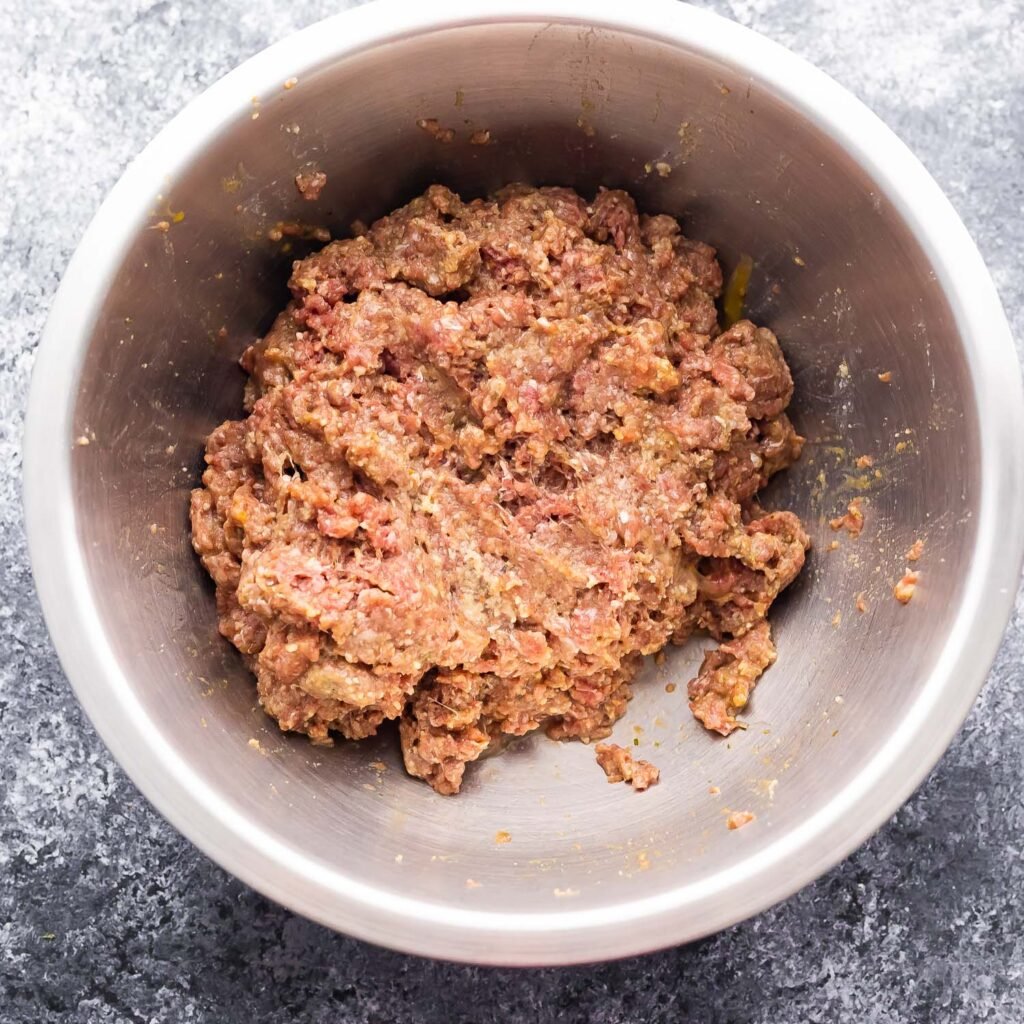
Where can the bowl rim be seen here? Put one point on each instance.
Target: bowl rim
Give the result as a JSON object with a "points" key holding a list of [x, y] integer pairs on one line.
{"points": [[564, 936]]}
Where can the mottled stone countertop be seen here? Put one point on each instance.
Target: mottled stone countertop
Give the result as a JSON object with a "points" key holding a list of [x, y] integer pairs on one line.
{"points": [[107, 915]]}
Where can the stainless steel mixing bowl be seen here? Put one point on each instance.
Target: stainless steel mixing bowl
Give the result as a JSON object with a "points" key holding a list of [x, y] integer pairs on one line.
{"points": [[862, 268]]}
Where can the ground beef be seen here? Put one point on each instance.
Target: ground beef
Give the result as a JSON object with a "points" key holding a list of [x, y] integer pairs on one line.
{"points": [[727, 676], [619, 765], [495, 453]]}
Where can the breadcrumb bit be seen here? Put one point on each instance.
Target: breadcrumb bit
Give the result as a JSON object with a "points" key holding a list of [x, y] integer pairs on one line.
{"points": [[298, 229], [904, 590], [860, 603], [714, 790], [799, 261], [290, 83], [886, 377], [503, 836], [663, 169], [566, 892], [916, 550], [738, 819], [837, 618], [433, 128], [852, 521], [834, 546], [310, 183], [865, 461], [670, 687], [473, 884], [81, 441], [480, 138]]}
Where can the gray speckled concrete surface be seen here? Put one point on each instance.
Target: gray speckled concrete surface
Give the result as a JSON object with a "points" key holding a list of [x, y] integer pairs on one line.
{"points": [[107, 915]]}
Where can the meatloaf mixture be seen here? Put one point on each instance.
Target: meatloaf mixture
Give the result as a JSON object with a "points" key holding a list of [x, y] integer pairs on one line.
{"points": [[495, 452], [619, 765]]}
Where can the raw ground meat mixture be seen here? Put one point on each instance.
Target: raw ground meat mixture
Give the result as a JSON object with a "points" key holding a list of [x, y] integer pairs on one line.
{"points": [[495, 453], [619, 765]]}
